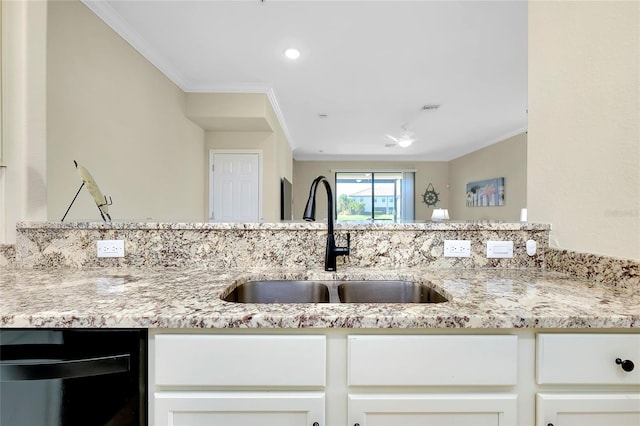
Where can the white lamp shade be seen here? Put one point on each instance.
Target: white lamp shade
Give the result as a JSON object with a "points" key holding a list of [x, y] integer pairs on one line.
{"points": [[440, 214]]}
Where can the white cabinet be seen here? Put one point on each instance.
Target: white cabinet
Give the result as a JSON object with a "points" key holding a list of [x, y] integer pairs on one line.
{"points": [[377, 362], [336, 377], [592, 409], [239, 408], [460, 409], [243, 380], [586, 362]]}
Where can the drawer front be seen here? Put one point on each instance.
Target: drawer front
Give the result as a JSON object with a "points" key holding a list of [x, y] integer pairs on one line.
{"points": [[587, 358], [182, 360], [432, 360]]}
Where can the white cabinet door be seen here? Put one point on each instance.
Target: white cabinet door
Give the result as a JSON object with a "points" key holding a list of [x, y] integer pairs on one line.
{"points": [[433, 410], [588, 409], [239, 408]]}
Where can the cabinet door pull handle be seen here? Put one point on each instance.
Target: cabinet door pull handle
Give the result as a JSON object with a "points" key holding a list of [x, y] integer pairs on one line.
{"points": [[356, 424], [316, 424], [549, 424], [627, 365]]}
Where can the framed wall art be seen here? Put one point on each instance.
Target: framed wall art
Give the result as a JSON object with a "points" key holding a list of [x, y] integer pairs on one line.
{"points": [[486, 193]]}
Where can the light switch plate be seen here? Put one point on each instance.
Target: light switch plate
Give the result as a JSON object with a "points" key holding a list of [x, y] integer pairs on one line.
{"points": [[457, 248], [499, 249], [110, 248]]}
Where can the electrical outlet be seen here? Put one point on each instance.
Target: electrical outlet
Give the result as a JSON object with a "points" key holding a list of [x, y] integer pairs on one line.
{"points": [[457, 248], [499, 249], [110, 248]]}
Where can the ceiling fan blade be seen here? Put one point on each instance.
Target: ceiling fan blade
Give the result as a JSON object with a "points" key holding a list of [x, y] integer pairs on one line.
{"points": [[393, 138]]}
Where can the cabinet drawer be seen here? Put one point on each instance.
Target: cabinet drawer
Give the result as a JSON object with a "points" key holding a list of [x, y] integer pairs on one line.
{"points": [[182, 360], [587, 358], [432, 360]]}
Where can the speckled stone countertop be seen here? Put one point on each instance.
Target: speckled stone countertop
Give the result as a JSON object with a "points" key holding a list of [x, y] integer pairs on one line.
{"points": [[294, 225], [191, 298]]}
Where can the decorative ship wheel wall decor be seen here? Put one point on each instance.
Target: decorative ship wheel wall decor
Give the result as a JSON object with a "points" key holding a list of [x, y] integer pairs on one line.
{"points": [[430, 196]]}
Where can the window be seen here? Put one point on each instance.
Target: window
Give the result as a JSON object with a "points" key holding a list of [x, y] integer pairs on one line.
{"points": [[374, 196]]}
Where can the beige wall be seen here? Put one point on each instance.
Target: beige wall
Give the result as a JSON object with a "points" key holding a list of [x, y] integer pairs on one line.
{"points": [[283, 152], [23, 181], [230, 111], [584, 124], [116, 114], [506, 159], [434, 172], [282, 167]]}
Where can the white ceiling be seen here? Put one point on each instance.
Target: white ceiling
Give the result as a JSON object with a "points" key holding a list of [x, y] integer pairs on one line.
{"points": [[369, 65]]}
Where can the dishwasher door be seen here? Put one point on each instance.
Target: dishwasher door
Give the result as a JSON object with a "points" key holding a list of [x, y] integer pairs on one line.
{"points": [[66, 377]]}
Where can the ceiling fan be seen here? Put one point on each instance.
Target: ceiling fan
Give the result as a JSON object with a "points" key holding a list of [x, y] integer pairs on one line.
{"points": [[404, 140]]}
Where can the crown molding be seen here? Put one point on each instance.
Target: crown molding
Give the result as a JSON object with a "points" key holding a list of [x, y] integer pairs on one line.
{"points": [[113, 19]]}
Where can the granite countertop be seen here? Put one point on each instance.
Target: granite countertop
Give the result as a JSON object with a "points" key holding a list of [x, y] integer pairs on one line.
{"points": [[446, 225], [190, 298]]}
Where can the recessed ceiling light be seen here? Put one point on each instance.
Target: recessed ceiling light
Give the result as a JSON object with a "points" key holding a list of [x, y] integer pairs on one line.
{"points": [[292, 53]]}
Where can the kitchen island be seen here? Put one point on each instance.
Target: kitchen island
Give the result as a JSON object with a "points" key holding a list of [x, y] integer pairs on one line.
{"points": [[473, 357], [519, 341]]}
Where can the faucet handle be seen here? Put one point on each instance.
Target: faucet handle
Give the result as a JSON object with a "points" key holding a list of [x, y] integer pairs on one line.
{"points": [[347, 249]]}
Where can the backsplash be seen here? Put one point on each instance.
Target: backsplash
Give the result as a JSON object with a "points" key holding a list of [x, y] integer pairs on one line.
{"points": [[7, 254], [620, 273], [301, 244], [293, 245]]}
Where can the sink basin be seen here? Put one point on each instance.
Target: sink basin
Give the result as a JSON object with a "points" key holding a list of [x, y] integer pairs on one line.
{"points": [[330, 291], [283, 291], [387, 292]]}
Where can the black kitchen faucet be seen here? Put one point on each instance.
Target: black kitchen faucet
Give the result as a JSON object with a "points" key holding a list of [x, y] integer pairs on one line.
{"points": [[332, 252]]}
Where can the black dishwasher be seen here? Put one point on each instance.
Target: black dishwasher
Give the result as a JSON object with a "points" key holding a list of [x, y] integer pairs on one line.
{"points": [[68, 377]]}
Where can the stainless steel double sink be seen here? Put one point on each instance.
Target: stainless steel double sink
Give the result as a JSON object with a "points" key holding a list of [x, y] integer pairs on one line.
{"points": [[333, 291]]}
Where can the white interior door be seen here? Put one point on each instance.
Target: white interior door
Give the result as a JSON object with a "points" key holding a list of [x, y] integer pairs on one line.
{"points": [[235, 186]]}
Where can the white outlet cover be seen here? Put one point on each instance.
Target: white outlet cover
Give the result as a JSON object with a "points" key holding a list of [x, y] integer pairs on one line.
{"points": [[457, 248], [110, 248]]}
